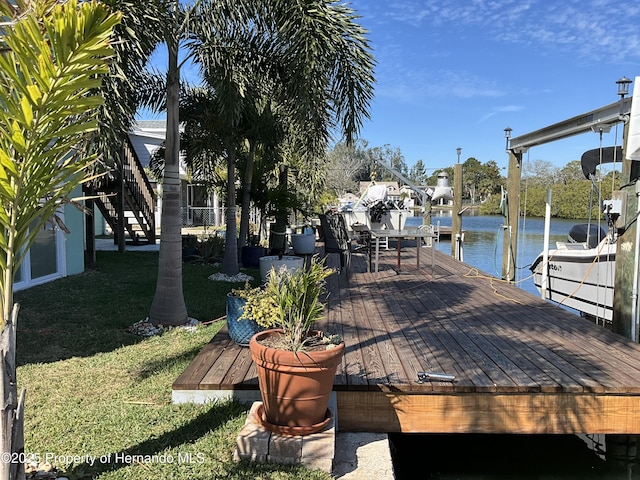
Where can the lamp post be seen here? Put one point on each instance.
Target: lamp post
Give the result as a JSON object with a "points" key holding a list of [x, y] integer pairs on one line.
{"points": [[623, 90], [511, 211], [625, 297], [507, 135], [456, 217], [623, 86]]}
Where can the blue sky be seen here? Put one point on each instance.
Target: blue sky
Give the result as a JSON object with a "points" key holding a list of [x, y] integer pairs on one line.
{"points": [[455, 73]]}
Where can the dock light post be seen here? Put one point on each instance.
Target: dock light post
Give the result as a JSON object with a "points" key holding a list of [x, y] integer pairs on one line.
{"points": [[623, 90], [627, 275], [623, 87], [456, 217], [507, 135], [511, 211], [626, 318]]}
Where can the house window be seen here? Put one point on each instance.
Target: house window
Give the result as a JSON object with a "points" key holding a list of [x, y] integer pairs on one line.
{"points": [[45, 259]]}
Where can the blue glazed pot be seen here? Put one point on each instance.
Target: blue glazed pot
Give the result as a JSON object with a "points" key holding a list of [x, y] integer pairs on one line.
{"points": [[241, 330], [250, 256]]}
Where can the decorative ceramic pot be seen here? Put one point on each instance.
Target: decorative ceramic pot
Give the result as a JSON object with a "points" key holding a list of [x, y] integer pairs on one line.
{"points": [[240, 329], [295, 387], [250, 256], [303, 243], [289, 261]]}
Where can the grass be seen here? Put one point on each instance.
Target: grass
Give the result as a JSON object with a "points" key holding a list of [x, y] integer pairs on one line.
{"points": [[99, 399]]}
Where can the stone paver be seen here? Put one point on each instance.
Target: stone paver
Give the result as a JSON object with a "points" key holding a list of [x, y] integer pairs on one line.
{"points": [[346, 455]]}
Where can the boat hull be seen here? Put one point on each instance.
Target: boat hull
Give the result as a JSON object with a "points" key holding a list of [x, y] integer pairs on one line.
{"points": [[580, 278]]}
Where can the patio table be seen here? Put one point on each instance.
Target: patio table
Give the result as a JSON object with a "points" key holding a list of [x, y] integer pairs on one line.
{"points": [[400, 235]]}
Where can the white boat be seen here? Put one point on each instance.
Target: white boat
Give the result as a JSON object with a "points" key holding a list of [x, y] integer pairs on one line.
{"points": [[580, 275], [581, 271]]}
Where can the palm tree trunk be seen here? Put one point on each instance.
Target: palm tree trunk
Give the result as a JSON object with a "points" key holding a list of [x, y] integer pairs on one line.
{"points": [[12, 412], [245, 199], [230, 264], [168, 307]]}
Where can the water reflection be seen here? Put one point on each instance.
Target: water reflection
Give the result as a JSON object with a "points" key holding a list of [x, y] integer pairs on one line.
{"points": [[483, 457]]}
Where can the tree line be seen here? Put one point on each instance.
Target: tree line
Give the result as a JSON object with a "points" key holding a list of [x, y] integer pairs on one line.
{"points": [[573, 196]]}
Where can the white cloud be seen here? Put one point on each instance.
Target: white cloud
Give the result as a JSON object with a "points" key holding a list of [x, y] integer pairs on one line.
{"points": [[500, 109], [595, 30], [418, 86]]}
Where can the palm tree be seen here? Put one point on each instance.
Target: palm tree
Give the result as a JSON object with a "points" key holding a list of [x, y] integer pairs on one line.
{"points": [[315, 62], [168, 306], [318, 58], [53, 59]]}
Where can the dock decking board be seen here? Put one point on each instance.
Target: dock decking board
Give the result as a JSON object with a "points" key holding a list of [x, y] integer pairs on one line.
{"points": [[521, 364]]}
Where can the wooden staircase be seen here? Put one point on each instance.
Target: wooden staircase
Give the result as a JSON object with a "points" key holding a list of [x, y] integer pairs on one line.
{"points": [[127, 202]]}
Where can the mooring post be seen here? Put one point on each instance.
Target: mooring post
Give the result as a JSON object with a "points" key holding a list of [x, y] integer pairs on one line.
{"points": [[512, 210], [622, 450], [456, 216]]}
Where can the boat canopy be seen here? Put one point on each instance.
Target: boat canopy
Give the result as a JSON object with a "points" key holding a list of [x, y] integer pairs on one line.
{"points": [[592, 158], [587, 233]]}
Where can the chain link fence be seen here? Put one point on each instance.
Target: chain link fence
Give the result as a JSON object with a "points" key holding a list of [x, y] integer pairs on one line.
{"points": [[202, 216]]}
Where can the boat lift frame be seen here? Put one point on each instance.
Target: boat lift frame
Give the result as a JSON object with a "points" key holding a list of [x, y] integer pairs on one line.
{"points": [[424, 196], [600, 119]]}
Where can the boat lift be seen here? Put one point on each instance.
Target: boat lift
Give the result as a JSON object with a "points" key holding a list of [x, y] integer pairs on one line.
{"points": [[598, 121], [602, 118]]}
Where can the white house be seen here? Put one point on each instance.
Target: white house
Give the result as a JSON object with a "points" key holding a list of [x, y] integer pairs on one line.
{"points": [[198, 207]]}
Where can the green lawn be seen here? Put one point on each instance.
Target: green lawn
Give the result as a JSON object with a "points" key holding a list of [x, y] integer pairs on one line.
{"points": [[99, 399]]}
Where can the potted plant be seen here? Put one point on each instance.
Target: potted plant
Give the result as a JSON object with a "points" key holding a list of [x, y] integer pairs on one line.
{"points": [[241, 325], [296, 365]]}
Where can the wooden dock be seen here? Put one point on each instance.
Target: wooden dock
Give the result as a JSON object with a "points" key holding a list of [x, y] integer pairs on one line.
{"points": [[521, 365]]}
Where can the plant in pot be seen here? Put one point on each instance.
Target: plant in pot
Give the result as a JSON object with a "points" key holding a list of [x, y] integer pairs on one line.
{"points": [[240, 324], [251, 253], [296, 364]]}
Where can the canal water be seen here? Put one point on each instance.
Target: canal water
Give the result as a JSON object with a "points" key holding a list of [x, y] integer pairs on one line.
{"points": [[483, 457], [483, 236]]}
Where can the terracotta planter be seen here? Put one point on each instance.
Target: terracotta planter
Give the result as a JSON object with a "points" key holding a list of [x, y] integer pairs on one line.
{"points": [[295, 388], [303, 243], [240, 330], [289, 261]]}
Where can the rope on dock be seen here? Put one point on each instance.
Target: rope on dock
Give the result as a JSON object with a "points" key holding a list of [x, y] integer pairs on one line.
{"points": [[475, 273]]}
